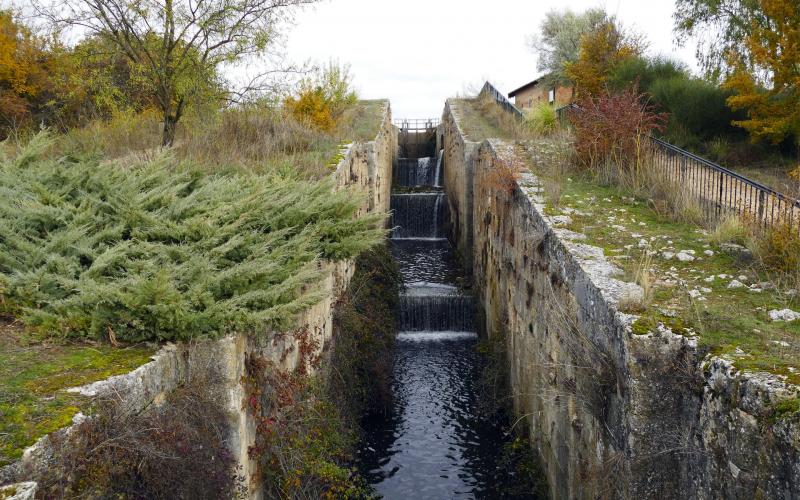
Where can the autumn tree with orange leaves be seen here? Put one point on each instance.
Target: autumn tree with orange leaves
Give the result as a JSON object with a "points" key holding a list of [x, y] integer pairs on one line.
{"points": [[767, 79], [23, 72], [753, 47], [601, 51]]}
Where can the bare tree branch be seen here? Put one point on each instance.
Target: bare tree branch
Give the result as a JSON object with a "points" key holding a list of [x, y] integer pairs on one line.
{"points": [[181, 44]]}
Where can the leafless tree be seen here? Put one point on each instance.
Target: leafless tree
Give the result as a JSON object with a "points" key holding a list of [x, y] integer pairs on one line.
{"points": [[178, 44]]}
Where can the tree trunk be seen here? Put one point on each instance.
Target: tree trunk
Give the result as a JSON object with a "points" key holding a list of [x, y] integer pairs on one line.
{"points": [[168, 136]]}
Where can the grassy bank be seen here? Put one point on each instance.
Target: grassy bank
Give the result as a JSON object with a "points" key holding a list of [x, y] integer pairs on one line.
{"points": [[106, 243], [254, 138], [33, 376], [697, 294]]}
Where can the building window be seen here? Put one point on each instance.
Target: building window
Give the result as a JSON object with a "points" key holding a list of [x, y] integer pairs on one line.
{"points": [[552, 96]]}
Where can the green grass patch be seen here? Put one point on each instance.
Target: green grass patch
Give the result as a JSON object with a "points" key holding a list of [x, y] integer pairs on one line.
{"points": [[362, 121], [785, 408], [32, 376], [693, 297]]}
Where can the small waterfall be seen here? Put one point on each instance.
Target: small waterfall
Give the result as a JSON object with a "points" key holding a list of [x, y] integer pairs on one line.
{"points": [[418, 215], [433, 307], [437, 176], [415, 172]]}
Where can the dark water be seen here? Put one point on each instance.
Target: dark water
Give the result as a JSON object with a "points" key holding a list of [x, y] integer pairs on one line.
{"points": [[436, 442]]}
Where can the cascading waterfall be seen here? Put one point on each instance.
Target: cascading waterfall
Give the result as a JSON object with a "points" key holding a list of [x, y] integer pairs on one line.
{"points": [[437, 176], [433, 307], [418, 215], [413, 172], [419, 172]]}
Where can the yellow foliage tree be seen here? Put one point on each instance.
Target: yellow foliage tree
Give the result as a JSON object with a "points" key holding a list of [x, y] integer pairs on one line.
{"points": [[310, 106], [22, 75], [323, 98], [768, 85], [601, 50]]}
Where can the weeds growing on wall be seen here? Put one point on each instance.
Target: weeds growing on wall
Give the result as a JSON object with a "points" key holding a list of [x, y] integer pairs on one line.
{"points": [[175, 450], [503, 175], [518, 460], [301, 443], [160, 251], [308, 424], [360, 374]]}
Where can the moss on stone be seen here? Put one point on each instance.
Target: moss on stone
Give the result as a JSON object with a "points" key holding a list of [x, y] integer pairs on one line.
{"points": [[8, 492], [643, 326], [33, 376], [785, 409]]}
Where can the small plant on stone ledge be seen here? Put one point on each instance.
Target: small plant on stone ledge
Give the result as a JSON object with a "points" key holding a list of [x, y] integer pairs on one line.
{"points": [[300, 443], [503, 175]]}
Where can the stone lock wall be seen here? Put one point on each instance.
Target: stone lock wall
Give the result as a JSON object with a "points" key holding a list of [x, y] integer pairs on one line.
{"points": [[611, 414], [365, 167], [458, 163]]}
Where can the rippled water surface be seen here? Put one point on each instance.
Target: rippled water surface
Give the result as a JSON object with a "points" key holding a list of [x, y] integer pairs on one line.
{"points": [[435, 443]]}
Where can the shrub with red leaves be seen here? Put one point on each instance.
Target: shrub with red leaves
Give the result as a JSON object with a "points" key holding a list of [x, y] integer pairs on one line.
{"points": [[610, 127]]}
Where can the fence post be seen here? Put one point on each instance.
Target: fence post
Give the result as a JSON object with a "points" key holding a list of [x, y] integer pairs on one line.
{"points": [[683, 171]]}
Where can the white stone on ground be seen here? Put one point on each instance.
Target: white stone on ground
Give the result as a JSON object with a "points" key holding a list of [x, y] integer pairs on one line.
{"points": [[710, 253], [684, 256], [735, 284], [783, 315]]}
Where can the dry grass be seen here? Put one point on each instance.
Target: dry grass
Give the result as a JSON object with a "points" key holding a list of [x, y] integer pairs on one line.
{"points": [[482, 118], [254, 138], [730, 229], [504, 175], [553, 191]]}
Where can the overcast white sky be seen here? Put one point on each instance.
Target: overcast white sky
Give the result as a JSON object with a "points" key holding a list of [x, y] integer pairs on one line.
{"points": [[419, 52]]}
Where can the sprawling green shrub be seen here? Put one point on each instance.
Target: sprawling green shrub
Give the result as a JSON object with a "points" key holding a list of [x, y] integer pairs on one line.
{"points": [[161, 251], [696, 106], [646, 71]]}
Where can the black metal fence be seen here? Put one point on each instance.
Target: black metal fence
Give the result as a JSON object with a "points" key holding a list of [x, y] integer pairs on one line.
{"points": [[489, 89], [718, 190]]}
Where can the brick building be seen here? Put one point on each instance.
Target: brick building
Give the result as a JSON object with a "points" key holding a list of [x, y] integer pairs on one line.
{"points": [[542, 90]]}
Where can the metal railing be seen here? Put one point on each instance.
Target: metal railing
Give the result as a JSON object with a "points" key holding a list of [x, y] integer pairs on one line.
{"points": [[416, 124], [718, 190], [489, 89]]}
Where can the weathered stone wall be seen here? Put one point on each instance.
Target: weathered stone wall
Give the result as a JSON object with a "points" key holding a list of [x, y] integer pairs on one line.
{"points": [[612, 414], [458, 162], [365, 167]]}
